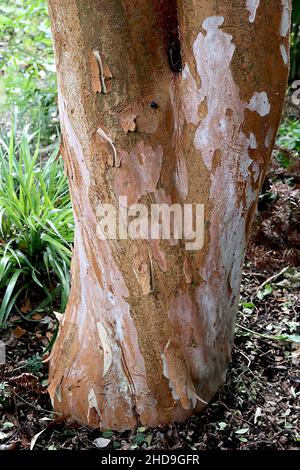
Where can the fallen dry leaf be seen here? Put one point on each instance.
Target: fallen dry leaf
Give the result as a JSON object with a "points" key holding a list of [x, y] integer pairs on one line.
{"points": [[35, 438], [37, 316], [26, 307], [18, 332], [101, 442]]}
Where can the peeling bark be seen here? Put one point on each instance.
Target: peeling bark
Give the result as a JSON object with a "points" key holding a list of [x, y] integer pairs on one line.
{"points": [[161, 101]]}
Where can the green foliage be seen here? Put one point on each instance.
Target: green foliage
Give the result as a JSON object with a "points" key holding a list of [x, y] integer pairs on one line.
{"points": [[268, 290], [36, 225], [34, 364], [295, 42], [288, 138], [28, 81]]}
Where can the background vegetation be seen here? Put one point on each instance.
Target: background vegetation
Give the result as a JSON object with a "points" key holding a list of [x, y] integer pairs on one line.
{"points": [[295, 42], [28, 79], [36, 221]]}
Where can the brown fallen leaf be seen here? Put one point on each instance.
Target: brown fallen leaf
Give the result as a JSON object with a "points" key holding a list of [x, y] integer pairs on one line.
{"points": [[26, 307], [28, 382], [37, 316], [18, 332]]}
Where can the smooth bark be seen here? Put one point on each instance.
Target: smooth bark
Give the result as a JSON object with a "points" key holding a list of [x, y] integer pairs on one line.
{"points": [[148, 331]]}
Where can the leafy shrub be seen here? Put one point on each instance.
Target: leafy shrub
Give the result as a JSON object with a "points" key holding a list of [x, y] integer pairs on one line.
{"points": [[295, 42], [288, 138], [36, 226], [27, 79]]}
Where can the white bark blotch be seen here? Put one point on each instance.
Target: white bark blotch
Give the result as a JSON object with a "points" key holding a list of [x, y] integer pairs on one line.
{"points": [[105, 139], [284, 54], [252, 141], [285, 18], [58, 392], [260, 103], [252, 6], [255, 172], [92, 404], [191, 97], [213, 54], [105, 348], [104, 72], [223, 131]]}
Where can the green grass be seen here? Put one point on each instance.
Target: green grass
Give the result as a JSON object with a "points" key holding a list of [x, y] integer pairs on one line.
{"points": [[36, 226]]}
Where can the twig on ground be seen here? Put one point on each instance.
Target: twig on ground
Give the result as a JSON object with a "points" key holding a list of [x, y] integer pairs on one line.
{"points": [[273, 278]]}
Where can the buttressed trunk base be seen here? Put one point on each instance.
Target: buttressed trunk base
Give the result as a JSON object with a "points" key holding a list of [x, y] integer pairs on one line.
{"points": [[162, 102]]}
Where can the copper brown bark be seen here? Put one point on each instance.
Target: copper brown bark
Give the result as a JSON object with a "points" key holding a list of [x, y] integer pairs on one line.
{"points": [[148, 331]]}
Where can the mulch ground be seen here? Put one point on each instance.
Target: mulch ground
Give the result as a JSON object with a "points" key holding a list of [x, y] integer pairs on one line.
{"points": [[258, 408]]}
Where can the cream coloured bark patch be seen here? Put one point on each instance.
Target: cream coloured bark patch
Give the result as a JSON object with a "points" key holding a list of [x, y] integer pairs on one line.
{"points": [[105, 347], [285, 18], [92, 403], [191, 97], [213, 54], [218, 295], [260, 103], [252, 141], [252, 6], [284, 54]]}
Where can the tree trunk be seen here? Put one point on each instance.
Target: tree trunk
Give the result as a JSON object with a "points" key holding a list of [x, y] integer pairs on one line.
{"points": [[161, 101]]}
